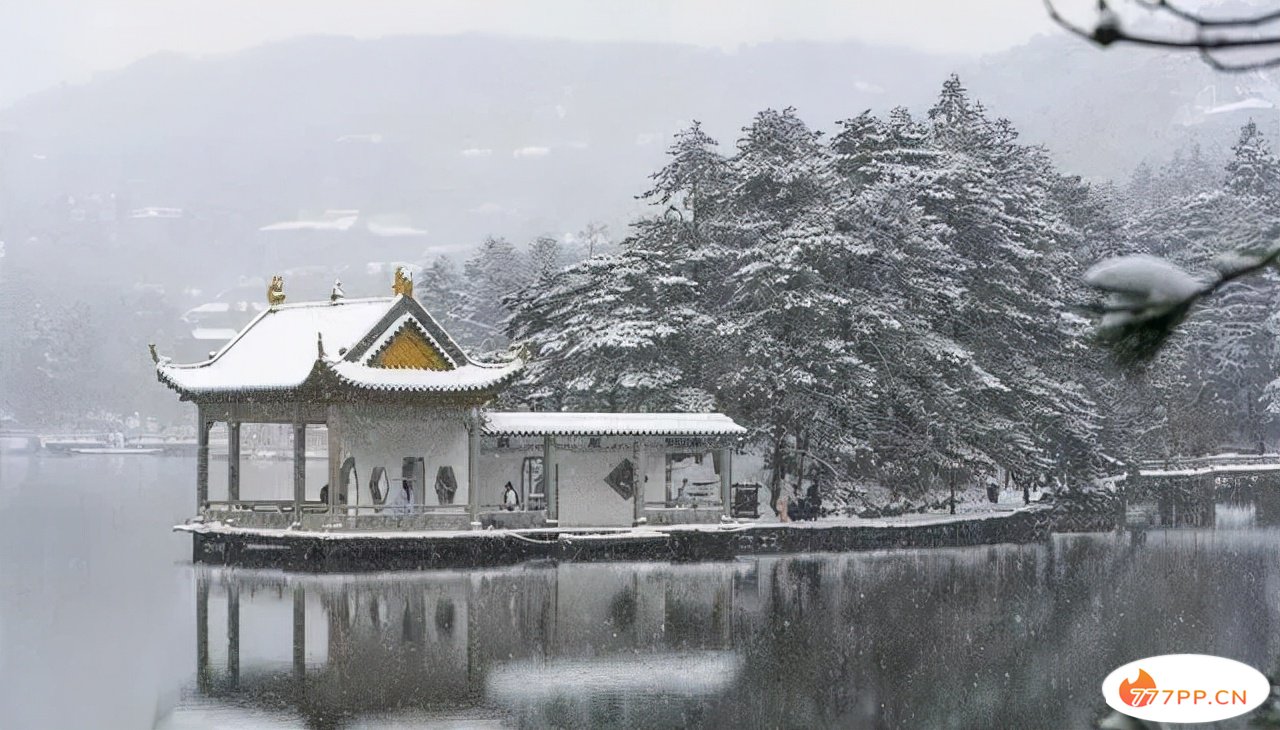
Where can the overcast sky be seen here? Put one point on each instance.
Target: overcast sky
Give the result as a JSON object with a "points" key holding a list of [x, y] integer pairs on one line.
{"points": [[46, 42]]}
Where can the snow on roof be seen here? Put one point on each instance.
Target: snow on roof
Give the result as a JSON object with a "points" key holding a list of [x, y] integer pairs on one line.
{"points": [[278, 351], [446, 348], [546, 423], [278, 348], [473, 376]]}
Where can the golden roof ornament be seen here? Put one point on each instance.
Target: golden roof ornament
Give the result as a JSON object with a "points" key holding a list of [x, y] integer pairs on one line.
{"points": [[403, 284], [275, 291]]}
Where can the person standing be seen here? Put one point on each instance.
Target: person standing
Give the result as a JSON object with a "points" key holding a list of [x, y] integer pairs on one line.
{"points": [[403, 498], [510, 498]]}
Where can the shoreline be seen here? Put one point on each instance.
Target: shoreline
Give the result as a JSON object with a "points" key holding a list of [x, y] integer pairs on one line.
{"points": [[320, 551]]}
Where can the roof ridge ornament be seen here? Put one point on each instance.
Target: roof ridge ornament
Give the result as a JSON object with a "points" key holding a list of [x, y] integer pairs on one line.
{"points": [[403, 283], [275, 291], [156, 357], [337, 294], [320, 346]]}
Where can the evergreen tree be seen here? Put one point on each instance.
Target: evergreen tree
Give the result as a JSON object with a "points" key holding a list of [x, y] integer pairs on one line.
{"points": [[1253, 169], [695, 177], [496, 271], [889, 306], [546, 258]]}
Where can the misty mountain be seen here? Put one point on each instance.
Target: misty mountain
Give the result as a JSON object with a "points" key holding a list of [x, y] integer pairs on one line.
{"points": [[178, 182], [467, 136]]}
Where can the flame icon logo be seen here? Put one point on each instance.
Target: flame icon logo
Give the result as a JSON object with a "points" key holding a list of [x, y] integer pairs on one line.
{"points": [[1139, 692]]}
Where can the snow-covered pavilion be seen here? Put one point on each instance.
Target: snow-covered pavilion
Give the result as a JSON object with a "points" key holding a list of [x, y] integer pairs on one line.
{"points": [[405, 405]]}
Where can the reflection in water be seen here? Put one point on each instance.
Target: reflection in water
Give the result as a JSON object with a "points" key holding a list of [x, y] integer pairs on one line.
{"points": [[99, 609], [567, 645], [1006, 636]]}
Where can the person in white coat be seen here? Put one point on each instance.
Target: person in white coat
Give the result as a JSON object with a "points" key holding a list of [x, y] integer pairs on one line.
{"points": [[401, 500], [510, 498]]}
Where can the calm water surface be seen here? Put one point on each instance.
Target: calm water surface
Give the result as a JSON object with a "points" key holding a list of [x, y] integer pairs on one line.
{"points": [[104, 624]]}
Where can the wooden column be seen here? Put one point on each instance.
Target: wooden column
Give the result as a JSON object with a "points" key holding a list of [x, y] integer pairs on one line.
{"points": [[202, 459], [335, 458], [299, 470], [233, 633], [726, 481], [551, 479], [641, 476], [233, 460], [473, 469]]}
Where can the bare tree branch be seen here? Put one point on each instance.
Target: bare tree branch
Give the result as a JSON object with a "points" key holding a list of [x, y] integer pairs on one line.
{"points": [[1207, 34]]}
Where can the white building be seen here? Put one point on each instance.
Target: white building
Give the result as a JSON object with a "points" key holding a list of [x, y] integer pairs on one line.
{"points": [[411, 444]]}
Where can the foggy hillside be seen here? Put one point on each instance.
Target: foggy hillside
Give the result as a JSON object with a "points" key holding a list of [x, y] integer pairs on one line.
{"points": [[157, 188], [472, 135]]}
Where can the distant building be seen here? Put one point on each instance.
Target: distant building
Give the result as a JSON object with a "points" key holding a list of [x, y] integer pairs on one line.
{"points": [[341, 237]]}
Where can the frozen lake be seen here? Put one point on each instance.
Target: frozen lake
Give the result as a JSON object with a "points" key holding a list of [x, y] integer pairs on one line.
{"points": [[104, 624]]}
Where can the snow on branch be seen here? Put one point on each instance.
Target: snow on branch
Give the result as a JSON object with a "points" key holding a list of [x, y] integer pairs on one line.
{"points": [[1147, 297]]}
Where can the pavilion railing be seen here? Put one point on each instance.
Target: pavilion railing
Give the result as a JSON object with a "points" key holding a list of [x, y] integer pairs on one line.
{"points": [[285, 506]]}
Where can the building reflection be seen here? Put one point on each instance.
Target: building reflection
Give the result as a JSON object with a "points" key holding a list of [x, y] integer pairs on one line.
{"points": [[993, 636], [431, 645]]}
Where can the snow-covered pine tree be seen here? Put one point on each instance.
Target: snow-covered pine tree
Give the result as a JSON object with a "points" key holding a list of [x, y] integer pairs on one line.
{"points": [[858, 149], [546, 259], [439, 288], [629, 330], [496, 271], [1253, 169], [694, 179]]}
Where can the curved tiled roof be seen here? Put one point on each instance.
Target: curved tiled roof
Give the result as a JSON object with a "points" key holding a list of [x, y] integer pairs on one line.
{"points": [[291, 346], [469, 377]]}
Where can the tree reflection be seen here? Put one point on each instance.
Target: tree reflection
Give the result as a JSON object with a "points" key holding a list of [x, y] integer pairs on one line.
{"points": [[1002, 636]]}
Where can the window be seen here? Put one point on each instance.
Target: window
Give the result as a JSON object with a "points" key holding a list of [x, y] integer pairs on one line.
{"points": [[413, 471], [623, 479], [691, 477]]}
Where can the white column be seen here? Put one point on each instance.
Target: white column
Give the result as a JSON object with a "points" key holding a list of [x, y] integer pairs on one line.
{"points": [[335, 458], [473, 469], [641, 477], [202, 459], [233, 460], [550, 479], [299, 470], [726, 480]]}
